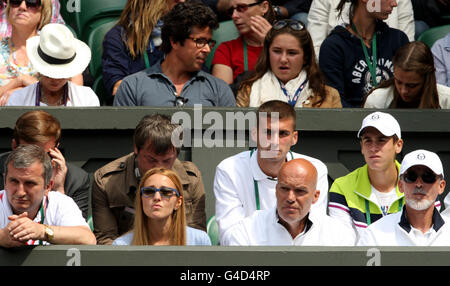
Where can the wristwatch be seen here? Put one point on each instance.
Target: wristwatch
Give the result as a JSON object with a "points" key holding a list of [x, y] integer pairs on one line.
{"points": [[48, 233]]}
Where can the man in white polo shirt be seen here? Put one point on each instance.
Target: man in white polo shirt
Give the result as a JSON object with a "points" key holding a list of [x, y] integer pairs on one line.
{"points": [[31, 214], [419, 223], [290, 222], [246, 182]]}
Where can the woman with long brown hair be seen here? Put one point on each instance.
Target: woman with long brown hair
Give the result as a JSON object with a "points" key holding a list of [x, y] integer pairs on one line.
{"points": [[159, 213], [286, 70], [357, 55], [133, 44], [414, 82]]}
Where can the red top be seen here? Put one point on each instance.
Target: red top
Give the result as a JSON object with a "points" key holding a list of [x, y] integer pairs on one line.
{"points": [[231, 53]]}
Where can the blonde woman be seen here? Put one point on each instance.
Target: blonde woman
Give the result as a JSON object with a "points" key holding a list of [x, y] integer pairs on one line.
{"points": [[133, 44], [26, 19], [159, 213]]}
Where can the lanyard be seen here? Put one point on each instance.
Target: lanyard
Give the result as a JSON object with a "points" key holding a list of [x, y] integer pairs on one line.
{"points": [[245, 55], [147, 62], [38, 94], [255, 183], [42, 211], [371, 64], [293, 101], [368, 220]]}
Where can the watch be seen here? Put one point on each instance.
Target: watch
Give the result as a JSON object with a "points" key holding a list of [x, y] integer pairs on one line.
{"points": [[48, 233]]}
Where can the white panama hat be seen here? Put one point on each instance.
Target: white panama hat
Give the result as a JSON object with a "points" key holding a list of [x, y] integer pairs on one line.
{"points": [[56, 53]]}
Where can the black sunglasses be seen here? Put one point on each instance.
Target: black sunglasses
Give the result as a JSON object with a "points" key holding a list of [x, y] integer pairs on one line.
{"points": [[428, 177], [180, 101], [166, 192], [293, 24], [29, 3], [241, 8]]}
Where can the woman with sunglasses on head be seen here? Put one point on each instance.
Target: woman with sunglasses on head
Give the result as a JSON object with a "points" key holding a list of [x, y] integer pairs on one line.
{"points": [[159, 213], [5, 27], [253, 19], [286, 70], [357, 56], [414, 82], [133, 44], [26, 19]]}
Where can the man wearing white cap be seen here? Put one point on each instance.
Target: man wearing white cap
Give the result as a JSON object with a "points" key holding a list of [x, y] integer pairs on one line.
{"points": [[370, 192], [419, 223]]}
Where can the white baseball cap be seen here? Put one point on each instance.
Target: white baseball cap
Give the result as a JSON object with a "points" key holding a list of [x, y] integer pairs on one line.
{"points": [[383, 122], [424, 158]]}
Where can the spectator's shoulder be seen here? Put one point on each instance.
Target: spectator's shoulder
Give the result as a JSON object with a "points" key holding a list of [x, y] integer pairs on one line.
{"points": [[117, 166]]}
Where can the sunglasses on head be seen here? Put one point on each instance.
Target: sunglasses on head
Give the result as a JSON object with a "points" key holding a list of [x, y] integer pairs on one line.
{"points": [[293, 24], [29, 3], [428, 177], [165, 192], [241, 8]]}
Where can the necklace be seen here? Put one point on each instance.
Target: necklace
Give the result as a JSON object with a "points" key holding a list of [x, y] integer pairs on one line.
{"points": [[44, 99], [40, 96]]}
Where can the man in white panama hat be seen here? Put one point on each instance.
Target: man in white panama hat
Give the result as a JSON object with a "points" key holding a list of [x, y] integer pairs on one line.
{"points": [[419, 223], [57, 56]]}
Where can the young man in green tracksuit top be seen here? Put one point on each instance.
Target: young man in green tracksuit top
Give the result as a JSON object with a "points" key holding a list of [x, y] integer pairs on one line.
{"points": [[371, 191]]}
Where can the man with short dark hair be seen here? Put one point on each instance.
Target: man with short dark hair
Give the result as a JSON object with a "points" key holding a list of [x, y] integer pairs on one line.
{"points": [[41, 128], [178, 80], [30, 213], [371, 191], [419, 223], [115, 184], [245, 182], [290, 222]]}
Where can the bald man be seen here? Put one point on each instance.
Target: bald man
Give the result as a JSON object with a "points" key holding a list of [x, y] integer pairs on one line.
{"points": [[290, 222]]}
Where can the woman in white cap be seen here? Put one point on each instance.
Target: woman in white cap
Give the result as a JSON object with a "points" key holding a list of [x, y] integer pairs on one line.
{"points": [[57, 56]]}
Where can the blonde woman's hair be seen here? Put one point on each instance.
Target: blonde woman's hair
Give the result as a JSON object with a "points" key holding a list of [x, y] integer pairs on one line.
{"points": [[138, 20], [46, 13], [141, 232]]}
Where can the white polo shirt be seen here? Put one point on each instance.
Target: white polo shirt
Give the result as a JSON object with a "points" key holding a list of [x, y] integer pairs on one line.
{"points": [[395, 230], [59, 210], [263, 228], [234, 188]]}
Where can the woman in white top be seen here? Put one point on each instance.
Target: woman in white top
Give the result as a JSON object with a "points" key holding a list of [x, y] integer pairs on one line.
{"points": [[286, 70], [414, 82], [57, 56], [159, 213]]}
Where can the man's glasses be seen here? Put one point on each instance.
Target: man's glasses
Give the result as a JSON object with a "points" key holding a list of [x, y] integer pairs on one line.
{"points": [[29, 3], [241, 8], [293, 24], [428, 177], [165, 192], [201, 42]]}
